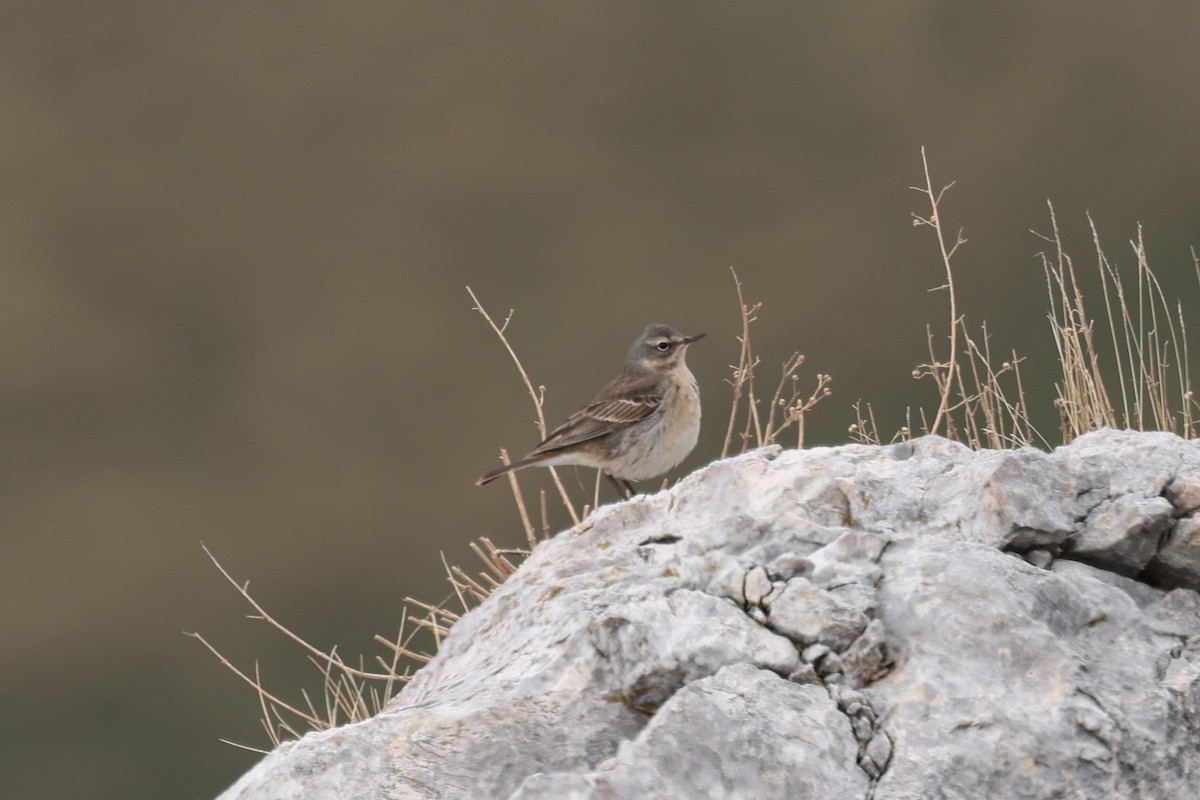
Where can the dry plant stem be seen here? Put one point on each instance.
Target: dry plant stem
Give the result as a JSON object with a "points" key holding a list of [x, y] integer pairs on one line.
{"points": [[399, 652], [752, 419], [756, 431], [874, 424], [266, 713], [990, 418], [261, 614], [257, 684], [924, 420], [464, 584], [493, 559], [982, 402], [537, 399], [786, 371], [389, 685], [432, 625], [797, 411], [751, 410], [457, 590], [520, 500], [1163, 350], [856, 428], [1106, 274], [1185, 399], [391, 669], [744, 369], [1134, 332], [251, 748], [942, 374], [864, 429], [1022, 407], [934, 221], [438, 632], [281, 726], [499, 557], [341, 695], [499, 330], [470, 585], [275, 732]]}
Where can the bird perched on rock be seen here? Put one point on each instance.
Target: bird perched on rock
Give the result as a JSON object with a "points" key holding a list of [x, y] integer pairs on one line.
{"points": [[643, 423]]}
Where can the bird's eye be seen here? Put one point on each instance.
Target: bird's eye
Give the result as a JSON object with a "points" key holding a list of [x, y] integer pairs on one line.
{"points": [[663, 346]]}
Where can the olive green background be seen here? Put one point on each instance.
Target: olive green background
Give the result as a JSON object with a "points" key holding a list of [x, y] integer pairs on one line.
{"points": [[234, 240]]}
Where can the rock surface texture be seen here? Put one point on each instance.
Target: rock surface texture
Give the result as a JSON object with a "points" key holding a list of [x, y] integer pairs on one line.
{"points": [[913, 621]]}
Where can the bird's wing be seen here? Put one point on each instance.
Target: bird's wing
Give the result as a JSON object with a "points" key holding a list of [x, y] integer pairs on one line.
{"points": [[622, 403]]}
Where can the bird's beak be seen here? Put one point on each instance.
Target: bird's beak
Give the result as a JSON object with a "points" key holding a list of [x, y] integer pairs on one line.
{"points": [[692, 338]]}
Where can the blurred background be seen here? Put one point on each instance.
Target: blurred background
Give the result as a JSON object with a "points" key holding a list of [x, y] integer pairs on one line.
{"points": [[234, 240]]}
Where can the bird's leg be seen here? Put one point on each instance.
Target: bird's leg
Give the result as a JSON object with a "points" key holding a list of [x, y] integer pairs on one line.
{"points": [[623, 487]]}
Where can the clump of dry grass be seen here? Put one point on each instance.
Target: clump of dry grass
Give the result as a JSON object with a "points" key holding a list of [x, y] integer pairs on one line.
{"points": [[351, 692], [1149, 352], [981, 396], [788, 404], [980, 402]]}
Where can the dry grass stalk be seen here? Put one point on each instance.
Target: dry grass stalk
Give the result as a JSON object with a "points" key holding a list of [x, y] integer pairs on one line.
{"points": [[983, 415], [743, 373], [1082, 402], [863, 430], [973, 405], [538, 397], [943, 373], [261, 614], [520, 499]]}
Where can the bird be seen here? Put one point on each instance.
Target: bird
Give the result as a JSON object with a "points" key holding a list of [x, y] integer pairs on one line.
{"points": [[640, 425]]}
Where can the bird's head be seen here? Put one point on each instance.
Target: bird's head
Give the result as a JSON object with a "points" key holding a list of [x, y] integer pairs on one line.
{"points": [[660, 348]]}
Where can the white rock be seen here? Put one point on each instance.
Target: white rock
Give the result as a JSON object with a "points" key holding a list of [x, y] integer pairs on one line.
{"points": [[744, 709], [808, 615], [1178, 559], [657, 645], [624, 659], [1123, 534]]}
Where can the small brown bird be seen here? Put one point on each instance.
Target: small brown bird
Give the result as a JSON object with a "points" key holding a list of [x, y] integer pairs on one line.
{"points": [[643, 423]]}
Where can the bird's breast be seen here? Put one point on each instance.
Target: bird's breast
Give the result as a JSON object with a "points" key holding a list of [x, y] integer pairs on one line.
{"points": [[660, 442]]}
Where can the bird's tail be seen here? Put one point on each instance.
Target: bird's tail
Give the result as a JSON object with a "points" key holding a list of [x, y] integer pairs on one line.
{"points": [[499, 471]]}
